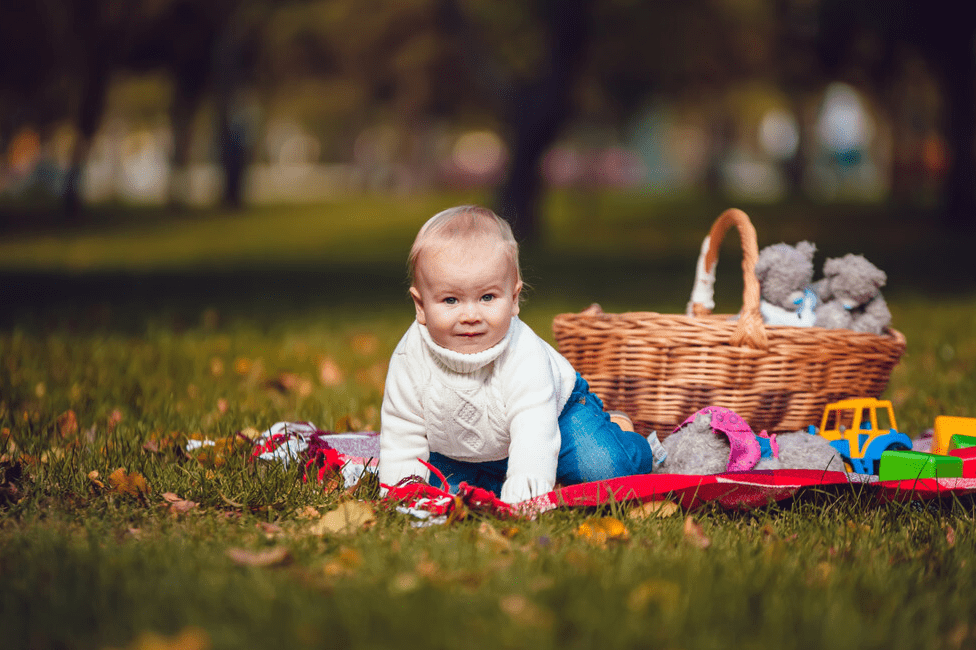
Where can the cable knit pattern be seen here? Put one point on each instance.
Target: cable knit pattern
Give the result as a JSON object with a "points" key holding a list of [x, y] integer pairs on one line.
{"points": [[503, 402]]}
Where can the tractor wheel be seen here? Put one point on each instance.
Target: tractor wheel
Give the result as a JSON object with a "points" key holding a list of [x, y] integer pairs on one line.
{"points": [[895, 446]]}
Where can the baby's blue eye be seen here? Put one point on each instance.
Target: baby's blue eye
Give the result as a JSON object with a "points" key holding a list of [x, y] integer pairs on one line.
{"points": [[488, 297], [450, 301]]}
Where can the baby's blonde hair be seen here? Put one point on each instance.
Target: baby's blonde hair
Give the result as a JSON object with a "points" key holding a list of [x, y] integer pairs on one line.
{"points": [[465, 224]]}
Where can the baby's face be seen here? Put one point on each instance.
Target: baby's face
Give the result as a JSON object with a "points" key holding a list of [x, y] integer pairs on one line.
{"points": [[466, 297]]}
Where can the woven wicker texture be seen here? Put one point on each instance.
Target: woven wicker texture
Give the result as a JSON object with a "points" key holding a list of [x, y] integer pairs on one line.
{"points": [[660, 368]]}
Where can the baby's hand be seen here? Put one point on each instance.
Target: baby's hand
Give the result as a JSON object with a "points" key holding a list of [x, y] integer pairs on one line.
{"points": [[522, 488]]}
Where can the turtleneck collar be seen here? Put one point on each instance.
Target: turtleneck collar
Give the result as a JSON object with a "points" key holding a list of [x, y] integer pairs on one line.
{"points": [[464, 363]]}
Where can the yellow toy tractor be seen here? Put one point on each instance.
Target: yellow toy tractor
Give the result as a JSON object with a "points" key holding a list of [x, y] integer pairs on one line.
{"points": [[861, 430]]}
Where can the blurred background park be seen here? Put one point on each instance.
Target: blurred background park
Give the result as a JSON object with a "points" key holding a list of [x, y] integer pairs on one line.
{"points": [[137, 135]]}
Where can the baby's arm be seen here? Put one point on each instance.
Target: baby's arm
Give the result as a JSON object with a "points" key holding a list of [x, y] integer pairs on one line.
{"points": [[534, 429], [403, 436]]}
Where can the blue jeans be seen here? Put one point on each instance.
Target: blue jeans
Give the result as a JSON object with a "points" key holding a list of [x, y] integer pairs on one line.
{"points": [[592, 448]]}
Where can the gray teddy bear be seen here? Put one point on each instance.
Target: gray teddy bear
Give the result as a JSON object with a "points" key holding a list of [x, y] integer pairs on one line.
{"points": [[785, 274], [850, 295], [696, 448]]}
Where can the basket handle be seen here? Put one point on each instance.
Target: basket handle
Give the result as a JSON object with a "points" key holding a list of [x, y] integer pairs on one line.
{"points": [[750, 331]]}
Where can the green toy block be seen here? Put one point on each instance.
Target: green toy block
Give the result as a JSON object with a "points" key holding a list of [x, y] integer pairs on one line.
{"points": [[902, 464], [959, 441]]}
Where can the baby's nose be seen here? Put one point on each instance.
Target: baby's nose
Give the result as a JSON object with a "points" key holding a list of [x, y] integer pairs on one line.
{"points": [[470, 313]]}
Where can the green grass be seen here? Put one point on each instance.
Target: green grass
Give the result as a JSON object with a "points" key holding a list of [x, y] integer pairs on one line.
{"points": [[150, 328]]}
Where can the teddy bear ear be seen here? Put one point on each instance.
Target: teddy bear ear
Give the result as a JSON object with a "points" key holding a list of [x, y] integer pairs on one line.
{"points": [[879, 277], [807, 248], [832, 266]]}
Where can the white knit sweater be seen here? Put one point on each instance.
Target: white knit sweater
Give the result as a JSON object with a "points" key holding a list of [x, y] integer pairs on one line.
{"points": [[503, 402]]}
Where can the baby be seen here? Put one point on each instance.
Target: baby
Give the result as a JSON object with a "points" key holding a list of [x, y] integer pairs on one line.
{"points": [[476, 393]]}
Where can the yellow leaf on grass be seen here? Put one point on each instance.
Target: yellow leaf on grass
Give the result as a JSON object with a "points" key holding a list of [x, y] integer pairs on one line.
{"points": [[653, 509], [600, 530], [214, 453], [350, 517], [345, 562], [489, 537], [133, 484]]}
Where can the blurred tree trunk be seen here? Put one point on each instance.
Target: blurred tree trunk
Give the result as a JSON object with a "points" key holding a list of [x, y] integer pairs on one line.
{"points": [[956, 71], [538, 112], [101, 31], [93, 92], [943, 33], [232, 137], [535, 111], [185, 104], [199, 27]]}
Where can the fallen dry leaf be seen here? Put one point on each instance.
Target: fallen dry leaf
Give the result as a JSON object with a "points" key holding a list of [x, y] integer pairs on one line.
{"points": [[250, 433], [160, 442], [275, 556], [489, 537], [114, 418], [217, 453], [93, 477], [658, 509], [345, 562], [133, 484], [67, 424], [350, 517], [601, 530], [177, 504], [270, 530], [307, 512], [694, 534]]}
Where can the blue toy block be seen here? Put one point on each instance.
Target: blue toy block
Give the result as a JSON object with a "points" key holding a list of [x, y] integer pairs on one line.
{"points": [[906, 464]]}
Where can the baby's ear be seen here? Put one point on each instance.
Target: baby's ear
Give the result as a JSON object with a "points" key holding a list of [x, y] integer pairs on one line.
{"points": [[418, 303], [515, 298]]}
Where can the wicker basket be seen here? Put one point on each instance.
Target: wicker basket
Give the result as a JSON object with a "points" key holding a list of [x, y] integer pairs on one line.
{"points": [[662, 368]]}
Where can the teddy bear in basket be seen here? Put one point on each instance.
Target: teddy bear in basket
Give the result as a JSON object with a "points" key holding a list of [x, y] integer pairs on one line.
{"points": [[850, 295], [785, 275], [716, 440]]}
